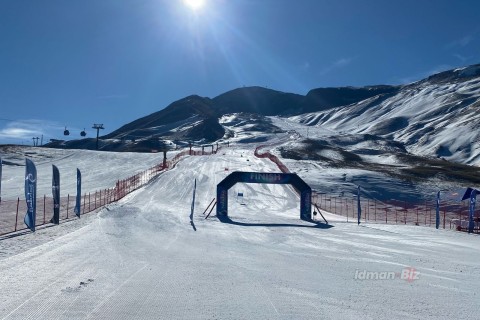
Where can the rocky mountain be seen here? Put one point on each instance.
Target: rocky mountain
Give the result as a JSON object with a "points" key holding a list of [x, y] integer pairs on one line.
{"points": [[436, 117]]}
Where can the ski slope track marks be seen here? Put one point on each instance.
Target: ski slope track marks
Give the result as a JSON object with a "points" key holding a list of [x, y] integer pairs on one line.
{"points": [[140, 258]]}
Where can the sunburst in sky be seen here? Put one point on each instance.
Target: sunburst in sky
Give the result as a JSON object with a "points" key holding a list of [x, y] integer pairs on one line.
{"points": [[195, 5], [150, 53]]}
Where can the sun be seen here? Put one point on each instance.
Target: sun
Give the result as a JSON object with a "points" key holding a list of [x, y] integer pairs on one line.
{"points": [[195, 5]]}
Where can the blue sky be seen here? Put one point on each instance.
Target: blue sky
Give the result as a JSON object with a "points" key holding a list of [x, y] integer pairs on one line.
{"points": [[80, 62]]}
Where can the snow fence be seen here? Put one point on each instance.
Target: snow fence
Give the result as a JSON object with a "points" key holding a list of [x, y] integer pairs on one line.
{"points": [[453, 215], [12, 211]]}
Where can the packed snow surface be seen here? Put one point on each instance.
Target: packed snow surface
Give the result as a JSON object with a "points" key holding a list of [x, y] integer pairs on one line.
{"points": [[142, 258]]}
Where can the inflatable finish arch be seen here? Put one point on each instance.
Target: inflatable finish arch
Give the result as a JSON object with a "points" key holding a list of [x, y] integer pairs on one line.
{"points": [[271, 178]]}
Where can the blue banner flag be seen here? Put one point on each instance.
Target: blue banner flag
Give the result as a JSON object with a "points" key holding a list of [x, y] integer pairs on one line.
{"points": [[358, 205], [30, 194], [437, 216], [79, 193], [473, 199], [56, 195]]}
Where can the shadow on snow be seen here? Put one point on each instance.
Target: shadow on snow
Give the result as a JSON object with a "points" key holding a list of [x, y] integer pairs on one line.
{"points": [[315, 224]]}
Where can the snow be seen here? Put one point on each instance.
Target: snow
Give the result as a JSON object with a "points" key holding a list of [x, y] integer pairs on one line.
{"points": [[100, 170], [428, 116], [141, 258]]}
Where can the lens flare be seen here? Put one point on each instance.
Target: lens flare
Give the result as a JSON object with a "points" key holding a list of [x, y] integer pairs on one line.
{"points": [[194, 4]]}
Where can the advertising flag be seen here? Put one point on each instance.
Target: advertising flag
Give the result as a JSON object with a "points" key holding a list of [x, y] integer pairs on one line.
{"points": [[56, 195], [79, 193], [473, 199], [437, 216], [358, 205], [30, 194]]}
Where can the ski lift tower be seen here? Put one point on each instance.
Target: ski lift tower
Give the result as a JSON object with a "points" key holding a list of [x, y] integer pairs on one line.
{"points": [[98, 127]]}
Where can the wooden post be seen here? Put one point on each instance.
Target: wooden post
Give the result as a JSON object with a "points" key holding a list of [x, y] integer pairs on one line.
{"points": [[84, 200]]}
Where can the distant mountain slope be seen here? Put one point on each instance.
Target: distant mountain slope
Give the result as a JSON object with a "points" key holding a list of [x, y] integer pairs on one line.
{"points": [[258, 100], [174, 115], [194, 111], [438, 116], [328, 98]]}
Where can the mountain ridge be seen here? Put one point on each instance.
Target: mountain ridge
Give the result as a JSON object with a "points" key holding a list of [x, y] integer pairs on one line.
{"points": [[416, 114]]}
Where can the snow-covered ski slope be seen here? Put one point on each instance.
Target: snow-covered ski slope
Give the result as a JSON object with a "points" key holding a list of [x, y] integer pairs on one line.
{"points": [[142, 258]]}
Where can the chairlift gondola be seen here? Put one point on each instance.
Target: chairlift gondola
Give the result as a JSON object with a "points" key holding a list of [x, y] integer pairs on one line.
{"points": [[66, 132], [83, 133]]}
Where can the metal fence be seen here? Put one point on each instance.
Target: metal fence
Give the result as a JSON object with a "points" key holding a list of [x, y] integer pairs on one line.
{"points": [[12, 212], [453, 215]]}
